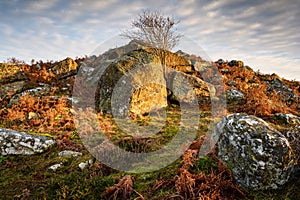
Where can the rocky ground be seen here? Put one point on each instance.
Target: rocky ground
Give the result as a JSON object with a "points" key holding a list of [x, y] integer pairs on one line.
{"points": [[43, 157]]}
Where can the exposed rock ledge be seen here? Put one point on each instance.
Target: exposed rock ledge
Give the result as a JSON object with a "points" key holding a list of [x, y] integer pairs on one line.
{"points": [[16, 143]]}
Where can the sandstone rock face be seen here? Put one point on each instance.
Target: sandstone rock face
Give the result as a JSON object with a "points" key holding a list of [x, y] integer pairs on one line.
{"points": [[124, 68], [260, 157], [186, 93], [65, 68], [150, 92], [16, 143], [10, 73], [146, 96]]}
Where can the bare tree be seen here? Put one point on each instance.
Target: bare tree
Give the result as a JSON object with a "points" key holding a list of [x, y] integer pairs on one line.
{"points": [[155, 30]]}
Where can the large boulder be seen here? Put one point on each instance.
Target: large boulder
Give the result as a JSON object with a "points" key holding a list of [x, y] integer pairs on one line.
{"points": [[149, 87], [19, 143], [140, 73], [127, 68], [260, 157], [293, 136], [189, 89]]}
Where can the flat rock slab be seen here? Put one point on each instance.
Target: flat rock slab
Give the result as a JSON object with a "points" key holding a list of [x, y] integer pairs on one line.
{"points": [[19, 143], [67, 153]]}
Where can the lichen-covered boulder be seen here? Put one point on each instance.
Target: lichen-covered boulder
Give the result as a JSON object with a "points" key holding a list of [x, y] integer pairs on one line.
{"points": [[293, 136], [281, 89], [234, 96], [289, 119], [259, 156], [39, 91], [19, 143]]}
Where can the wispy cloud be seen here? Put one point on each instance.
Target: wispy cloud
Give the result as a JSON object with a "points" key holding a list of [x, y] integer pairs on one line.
{"points": [[262, 33]]}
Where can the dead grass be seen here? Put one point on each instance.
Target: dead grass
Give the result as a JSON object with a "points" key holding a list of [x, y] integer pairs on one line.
{"points": [[189, 177]]}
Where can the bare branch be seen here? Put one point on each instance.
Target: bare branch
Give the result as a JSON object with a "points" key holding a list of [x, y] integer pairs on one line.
{"points": [[154, 29]]}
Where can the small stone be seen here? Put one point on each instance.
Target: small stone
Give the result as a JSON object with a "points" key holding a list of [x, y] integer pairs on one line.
{"points": [[83, 165], [221, 62], [231, 83], [91, 161], [32, 115], [69, 153], [55, 167]]}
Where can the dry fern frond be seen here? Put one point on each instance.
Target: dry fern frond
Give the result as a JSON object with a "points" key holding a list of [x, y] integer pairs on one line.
{"points": [[122, 190]]}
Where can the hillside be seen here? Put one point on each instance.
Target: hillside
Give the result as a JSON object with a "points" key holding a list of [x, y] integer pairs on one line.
{"points": [[37, 99]]}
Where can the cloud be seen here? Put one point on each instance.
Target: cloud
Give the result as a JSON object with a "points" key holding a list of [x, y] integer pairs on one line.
{"points": [[263, 33], [40, 6]]}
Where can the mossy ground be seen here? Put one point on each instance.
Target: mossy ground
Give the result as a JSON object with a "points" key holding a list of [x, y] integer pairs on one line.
{"points": [[28, 177]]}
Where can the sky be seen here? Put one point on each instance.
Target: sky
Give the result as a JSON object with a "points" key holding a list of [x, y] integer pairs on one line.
{"points": [[263, 34]]}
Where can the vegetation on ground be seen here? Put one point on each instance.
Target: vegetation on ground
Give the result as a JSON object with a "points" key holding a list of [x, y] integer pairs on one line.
{"points": [[189, 177]]}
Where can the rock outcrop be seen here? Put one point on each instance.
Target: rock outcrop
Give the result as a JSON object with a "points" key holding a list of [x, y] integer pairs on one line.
{"points": [[39, 91], [237, 63], [16, 143], [289, 119], [234, 96], [259, 156], [16, 82], [186, 93], [135, 70], [11, 73], [281, 88], [65, 68], [127, 68]]}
